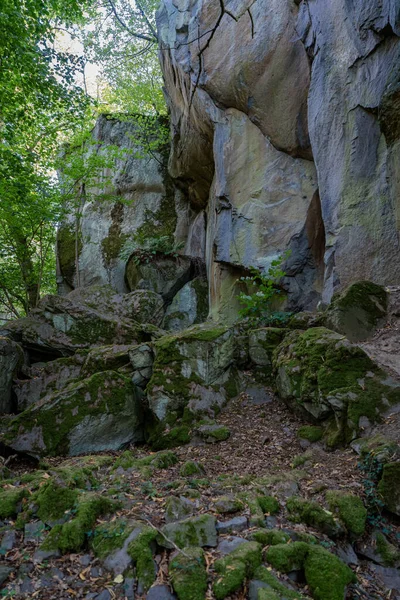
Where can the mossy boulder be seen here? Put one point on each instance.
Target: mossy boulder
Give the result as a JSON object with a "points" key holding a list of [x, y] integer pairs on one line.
{"points": [[140, 550], [270, 537], [10, 501], [160, 273], [287, 557], [228, 505], [102, 412], [357, 311], [71, 536], [178, 509], [194, 531], [235, 568], [193, 371], [188, 574], [319, 373], [350, 510], [211, 434], [191, 468], [389, 487], [312, 514], [326, 575]]}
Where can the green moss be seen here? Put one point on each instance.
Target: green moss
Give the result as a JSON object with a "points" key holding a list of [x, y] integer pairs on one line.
{"points": [[263, 574], [287, 557], [141, 553], [350, 510], [230, 577], [257, 517], [71, 536], [164, 460], [300, 459], [191, 468], [389, 486], [326, 575], [109, 537], [219, 434], [194, 531], [312, 514], [312, 433], [188, 574], [177, 436], [389, 553], [10, 500], [54, 500], [270, 537], [268, 504], [234, 568]]}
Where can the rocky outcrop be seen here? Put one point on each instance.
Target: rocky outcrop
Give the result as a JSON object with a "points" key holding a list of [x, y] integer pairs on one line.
{"points": [[125, 203], [11, 360], [285, 129]]}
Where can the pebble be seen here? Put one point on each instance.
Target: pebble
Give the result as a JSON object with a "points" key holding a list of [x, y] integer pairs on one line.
{"points": [[4, 573], [104, 595], [160, 592], [230, 544], [235, 524], [7, 542], [129, 588]]}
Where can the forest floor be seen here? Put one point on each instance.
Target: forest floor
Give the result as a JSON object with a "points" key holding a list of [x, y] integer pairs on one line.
{"points": [[263, 450]]}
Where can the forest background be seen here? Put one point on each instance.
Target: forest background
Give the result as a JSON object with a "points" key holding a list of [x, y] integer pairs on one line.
{"points": [[62, 64]]}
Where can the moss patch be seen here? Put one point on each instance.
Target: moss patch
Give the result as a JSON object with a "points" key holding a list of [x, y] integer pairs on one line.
{"points": [[263, 574], [350, 509], [10, 500], [234, 568], [141, 553], [312, 433], [312, 514], [326, 574], [288, 557], [270, 537], [191, 468], [54, 500], [188, 574]]}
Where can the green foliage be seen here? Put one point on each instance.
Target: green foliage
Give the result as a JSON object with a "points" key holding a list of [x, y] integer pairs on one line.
{"points": [[257, 305]]}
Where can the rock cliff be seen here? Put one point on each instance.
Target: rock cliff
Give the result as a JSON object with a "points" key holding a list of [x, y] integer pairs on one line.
{"points": [[285, 127]]}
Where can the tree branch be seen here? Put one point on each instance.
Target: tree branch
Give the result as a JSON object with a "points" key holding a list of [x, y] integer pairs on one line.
{"points": [[141, 36]]}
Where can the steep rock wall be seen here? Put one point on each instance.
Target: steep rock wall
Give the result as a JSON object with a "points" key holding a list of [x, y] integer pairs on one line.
{"points": [[239, 76]]}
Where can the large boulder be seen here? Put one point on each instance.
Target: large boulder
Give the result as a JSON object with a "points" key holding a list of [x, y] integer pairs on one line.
{"points": [[321, 373], [192, 370], [42, 379], [93, 316], [357, 311], [11, 360], [102, 412]]}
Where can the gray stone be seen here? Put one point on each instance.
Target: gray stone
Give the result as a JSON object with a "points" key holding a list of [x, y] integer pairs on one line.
{"points": [[129, 588], [271, 522], [228, 545], [4, 573], [195, 531], [177, 509], [119, 561], [389, 576], [235, 524], [85, 560], [33, 532], [42, 555], [8, 541], [346, 553], [212, 434], [104, 595], [228, 504], [160, 592]]}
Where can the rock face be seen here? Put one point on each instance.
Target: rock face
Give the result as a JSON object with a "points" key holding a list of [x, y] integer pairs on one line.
{"points": [[130, 199], [285, 128], [11, 359]]}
